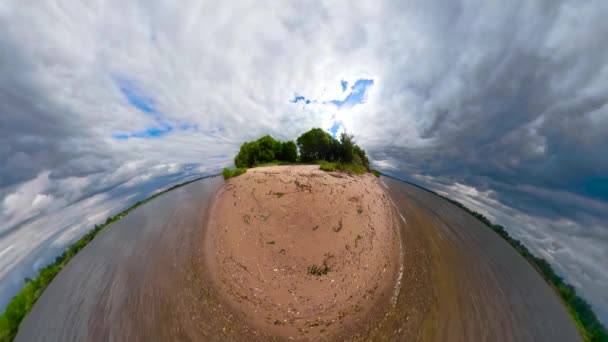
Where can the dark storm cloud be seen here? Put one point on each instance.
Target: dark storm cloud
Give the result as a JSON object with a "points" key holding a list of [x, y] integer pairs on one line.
{"points": [[30, 132]]}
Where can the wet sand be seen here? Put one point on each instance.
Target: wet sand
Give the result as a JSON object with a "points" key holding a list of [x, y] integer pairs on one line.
{"points": [[147, 278]]}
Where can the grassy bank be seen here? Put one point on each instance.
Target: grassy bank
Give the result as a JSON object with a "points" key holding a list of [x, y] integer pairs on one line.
{"points": [[23, 302], [227, 173], [346, 167], [590, 327]]}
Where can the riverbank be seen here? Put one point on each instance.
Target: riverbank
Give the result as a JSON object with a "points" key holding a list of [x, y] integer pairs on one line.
{"points": [[23, 301], [148, 278], [589, 326]]}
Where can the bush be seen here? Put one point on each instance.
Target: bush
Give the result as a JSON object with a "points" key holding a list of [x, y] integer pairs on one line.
{"points": [[317, 144], [265, 150], [347, 147], [376, 173], [327, 166], [289, 152], [359, 152], [227, 173]]}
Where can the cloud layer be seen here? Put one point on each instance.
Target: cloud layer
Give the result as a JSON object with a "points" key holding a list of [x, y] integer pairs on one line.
{"points": [[500, 105]]}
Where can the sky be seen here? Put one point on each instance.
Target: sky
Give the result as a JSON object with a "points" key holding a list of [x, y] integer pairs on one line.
{"points": [[498, 104]]}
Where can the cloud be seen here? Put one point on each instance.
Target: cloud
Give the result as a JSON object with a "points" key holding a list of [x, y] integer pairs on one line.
{"points": [[500, 105]]}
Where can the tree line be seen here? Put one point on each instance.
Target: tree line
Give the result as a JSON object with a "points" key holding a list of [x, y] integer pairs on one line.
{"points": [[314, 145]]}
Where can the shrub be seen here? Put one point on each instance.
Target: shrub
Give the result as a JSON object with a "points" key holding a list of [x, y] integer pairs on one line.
{"points": [[327, 166], [347, 147], [265, 150], [317, 144], [227, 173], [318, 270], [289, 152]]}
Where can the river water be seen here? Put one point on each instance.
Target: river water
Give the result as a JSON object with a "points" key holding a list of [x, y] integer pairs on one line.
{"points": [[143, 279]]}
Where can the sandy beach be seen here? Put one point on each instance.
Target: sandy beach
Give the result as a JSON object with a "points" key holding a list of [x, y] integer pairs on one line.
{"points": [[304, 253]]}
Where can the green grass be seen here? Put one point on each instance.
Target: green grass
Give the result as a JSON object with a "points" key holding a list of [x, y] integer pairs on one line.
{"points": [[227, 173], [278, 163], [23, 302], [327, 166], [376, 173], [336, 166]]}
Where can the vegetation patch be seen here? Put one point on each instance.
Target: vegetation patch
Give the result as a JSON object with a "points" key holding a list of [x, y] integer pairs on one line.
{"points": [[277, 193], [319, 270], [327, 166], [265, 150], [376, 173], [316, 147], [336, 166], [23, 302], [227, 173]]}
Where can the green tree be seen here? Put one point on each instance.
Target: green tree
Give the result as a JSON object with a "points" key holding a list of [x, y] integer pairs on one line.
{"points": [[317, 144], [289, 151], [268, 150], [362, 157], [263, 150], [247, 155], [347, 146]]}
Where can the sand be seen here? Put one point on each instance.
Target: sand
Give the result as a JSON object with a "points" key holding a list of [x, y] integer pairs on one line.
{"points": [[273, 228]]}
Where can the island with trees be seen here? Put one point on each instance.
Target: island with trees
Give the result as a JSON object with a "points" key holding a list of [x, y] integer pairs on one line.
{"points": [[315, 147]]}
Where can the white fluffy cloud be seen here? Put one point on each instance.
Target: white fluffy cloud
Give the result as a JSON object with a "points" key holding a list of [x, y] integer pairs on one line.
{"points": [[101, 103]]}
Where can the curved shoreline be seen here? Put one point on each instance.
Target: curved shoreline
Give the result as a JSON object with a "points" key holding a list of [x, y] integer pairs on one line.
{"points": [[23, 302], [580, 311], [406, 319]]}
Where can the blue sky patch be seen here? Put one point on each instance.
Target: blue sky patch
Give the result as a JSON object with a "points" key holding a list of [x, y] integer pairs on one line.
{"points": [[146, 104], [299, 98], [344, 85], [135, 96], [356, 95], [334, 128]]}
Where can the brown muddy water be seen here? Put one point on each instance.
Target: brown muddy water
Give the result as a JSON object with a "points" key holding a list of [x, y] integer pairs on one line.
{"points": [[144, 279]]}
